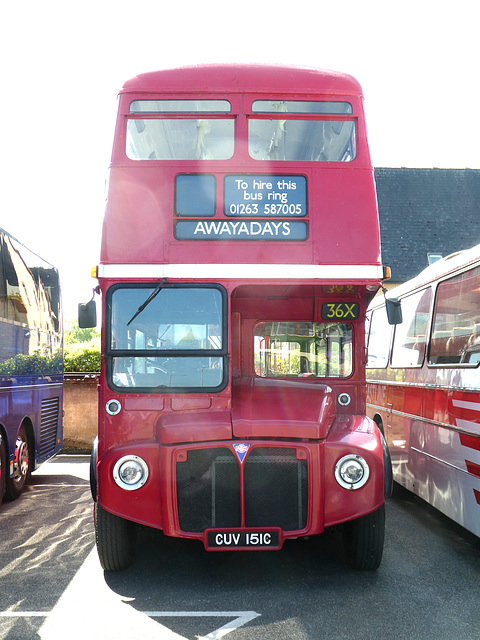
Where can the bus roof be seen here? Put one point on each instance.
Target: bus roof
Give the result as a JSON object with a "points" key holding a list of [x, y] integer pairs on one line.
{"points": [[437, 270], [236, 77]]}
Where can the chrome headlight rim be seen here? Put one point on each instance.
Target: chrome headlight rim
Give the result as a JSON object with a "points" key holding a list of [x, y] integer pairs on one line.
{"points": [[340, 469], [143, 469]]}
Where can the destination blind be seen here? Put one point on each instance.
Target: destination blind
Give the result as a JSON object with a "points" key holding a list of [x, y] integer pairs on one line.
{"points": [[266, 207]]}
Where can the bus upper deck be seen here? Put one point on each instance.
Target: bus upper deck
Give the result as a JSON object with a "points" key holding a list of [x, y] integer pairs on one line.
{"points": [[262, 168]]}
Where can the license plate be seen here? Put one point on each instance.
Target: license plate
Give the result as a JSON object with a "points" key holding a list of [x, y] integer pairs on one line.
{"points": [[230, 539]]}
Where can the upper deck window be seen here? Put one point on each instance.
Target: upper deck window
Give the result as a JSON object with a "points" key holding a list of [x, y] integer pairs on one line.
{"points": [[180, 106], [301, 106], [302, 140], [311, 140], [180, 139]]}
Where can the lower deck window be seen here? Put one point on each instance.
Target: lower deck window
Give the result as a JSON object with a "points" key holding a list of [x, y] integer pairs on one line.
{"points": [[305, 349], [184, 373]]}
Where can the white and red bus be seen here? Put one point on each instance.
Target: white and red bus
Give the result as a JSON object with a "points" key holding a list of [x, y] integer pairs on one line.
{"points": [[240, 250], [424, 385]]}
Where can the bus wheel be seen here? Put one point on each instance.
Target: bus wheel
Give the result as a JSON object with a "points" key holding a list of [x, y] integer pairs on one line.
{"points": [[3, 466], [115, 538], [22, 466], [363, 539]]}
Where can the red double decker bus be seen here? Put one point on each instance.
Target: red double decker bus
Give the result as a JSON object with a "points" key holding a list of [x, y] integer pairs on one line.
{"points": [[240, 250]]}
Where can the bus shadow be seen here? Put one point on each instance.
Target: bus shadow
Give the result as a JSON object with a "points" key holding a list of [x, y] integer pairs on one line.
{"points": [[176, 570], [46, 536]]}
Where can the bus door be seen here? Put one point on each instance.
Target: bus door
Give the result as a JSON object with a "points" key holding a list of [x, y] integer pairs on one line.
{"points": [[407, 397]]}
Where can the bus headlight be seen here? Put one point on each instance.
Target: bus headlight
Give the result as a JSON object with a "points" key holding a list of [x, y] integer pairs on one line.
{"points": [[351, 472], [130, 472]]}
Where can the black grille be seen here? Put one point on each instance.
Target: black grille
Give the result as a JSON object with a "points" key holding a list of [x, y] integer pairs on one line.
{"points": [[49, 424], [275, 489], [208, 490]]}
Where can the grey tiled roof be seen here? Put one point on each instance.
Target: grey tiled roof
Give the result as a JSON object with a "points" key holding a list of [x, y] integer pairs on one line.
{"points": [[426, 210]]}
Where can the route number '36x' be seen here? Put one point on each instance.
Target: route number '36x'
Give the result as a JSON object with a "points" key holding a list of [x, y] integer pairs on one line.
{"points": [[340, 311]]}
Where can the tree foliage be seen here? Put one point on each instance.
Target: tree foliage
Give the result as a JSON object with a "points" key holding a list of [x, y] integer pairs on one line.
{"points": [[74, 335], [82, 349]]}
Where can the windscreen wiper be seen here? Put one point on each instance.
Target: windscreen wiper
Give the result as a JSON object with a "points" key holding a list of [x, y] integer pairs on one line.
{"points": [[153, 295]]}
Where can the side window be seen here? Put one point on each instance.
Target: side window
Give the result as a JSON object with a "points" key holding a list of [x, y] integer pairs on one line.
{"points": [[410, 337], [379, 339], [456, 322]]}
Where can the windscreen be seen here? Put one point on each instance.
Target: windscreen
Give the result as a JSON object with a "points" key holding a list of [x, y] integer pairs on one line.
{"points": [[167, 337]]}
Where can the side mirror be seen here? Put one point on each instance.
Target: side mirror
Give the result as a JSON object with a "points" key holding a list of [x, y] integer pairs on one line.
{"points": [[394, 310], [87, 315]]}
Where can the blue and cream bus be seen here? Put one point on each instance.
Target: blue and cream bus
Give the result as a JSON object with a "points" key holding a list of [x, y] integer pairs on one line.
{"points": [[31, 364]]}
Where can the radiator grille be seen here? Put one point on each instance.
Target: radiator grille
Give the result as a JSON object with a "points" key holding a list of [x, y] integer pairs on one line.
{"points": [[49, 424], [276, 489], [209, 489]]}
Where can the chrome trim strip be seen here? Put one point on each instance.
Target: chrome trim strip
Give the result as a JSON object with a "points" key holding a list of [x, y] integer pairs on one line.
{"points": [[424, 385], [435, 423], [448, 464], [32, 387]]}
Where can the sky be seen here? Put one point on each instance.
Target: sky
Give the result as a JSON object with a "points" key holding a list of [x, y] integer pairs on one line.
{"points": [[62, 64]]}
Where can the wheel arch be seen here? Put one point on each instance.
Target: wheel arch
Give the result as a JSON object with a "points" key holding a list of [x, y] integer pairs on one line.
{"points": [[27, 424], [93, 469], [387, 461]]}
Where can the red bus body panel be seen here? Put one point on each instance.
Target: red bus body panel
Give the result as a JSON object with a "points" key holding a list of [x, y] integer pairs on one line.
{"points": [[338, 261]]}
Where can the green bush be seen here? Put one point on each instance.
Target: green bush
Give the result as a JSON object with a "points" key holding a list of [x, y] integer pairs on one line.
{"points": [[82, 359], [34, 364]]}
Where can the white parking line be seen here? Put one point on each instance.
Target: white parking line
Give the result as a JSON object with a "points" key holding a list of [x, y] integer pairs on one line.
{"points": [[105, 614], [239, 619]]}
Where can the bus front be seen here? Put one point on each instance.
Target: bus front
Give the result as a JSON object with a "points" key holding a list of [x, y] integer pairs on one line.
{"points": [[240, 249]]}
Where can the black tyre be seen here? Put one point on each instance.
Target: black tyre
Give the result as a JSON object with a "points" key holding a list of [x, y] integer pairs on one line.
{"points": [[115, 538], [3, 467], [22, 466], [363, 539]]}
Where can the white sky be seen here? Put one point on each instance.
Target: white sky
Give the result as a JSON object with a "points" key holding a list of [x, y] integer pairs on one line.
{"points": [[63, 63]]}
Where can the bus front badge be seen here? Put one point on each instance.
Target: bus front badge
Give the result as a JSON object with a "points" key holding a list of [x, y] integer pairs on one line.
{"points": [[241, 451]]}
